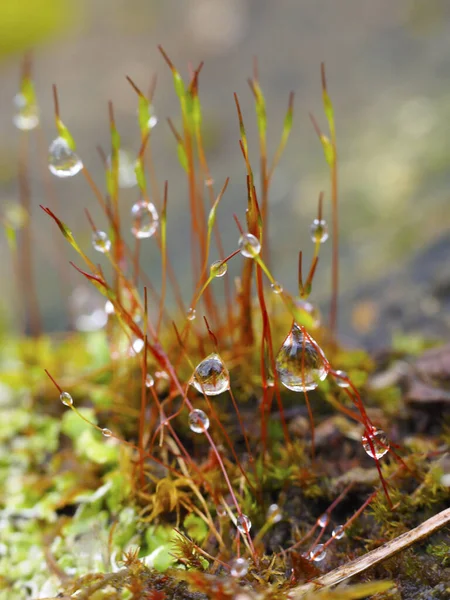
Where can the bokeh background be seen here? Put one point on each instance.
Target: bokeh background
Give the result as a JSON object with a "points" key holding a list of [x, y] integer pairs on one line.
{"points": [[388, 66]]}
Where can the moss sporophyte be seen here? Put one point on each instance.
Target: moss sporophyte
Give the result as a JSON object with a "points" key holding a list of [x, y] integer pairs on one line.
{"points": [[215, 446]]}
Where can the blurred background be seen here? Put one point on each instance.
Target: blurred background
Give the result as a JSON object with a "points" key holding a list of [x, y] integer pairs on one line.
{"points": [[388, 68]]}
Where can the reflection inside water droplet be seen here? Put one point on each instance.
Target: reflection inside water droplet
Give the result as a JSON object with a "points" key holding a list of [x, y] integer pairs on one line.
{"points": [[375, 443], [62, 160], [198, 421], [211, 377], [145, 220], [300, 362]]}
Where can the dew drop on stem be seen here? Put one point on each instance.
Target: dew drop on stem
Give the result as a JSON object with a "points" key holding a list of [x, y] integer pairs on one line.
{"points": [[198, 421], [300, 362], [249, 245], [318, 553], [211, 376], [274, 513], [191, 314], [26, 116], [239, 567], [106, 432], [319, 231], [375, 442], [66, 398], [323, 520], [277, 288], [145, 220], [342, 379], [243, 524], [101, 242], [62, 160], [338, 532], [218, 268]]}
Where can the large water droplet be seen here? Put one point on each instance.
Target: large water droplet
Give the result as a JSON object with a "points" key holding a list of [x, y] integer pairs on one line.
{"points": [[300, 362], [243, 524], [380, 443], [149, 381], [126, 172], [239, 567], [62, 160], [318, 553], [101, 242], [198, 421], [66, 398], [249, 245], [338, 532], [218, 268], [27, 116], [319, 231], [211, 376], [145, 219]]}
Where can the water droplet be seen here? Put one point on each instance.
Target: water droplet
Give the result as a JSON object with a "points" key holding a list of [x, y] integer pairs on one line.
{"points": [[239, 567], [319, 231], [338, 533], [380, 443], [274, 513], [191, 314], [243, 524], [109, 307], [66, 398], [145, 220], [218, 268], [149, 381], [27, 115], [300, 362], [126, 176], [221, 511], [153, 121], [323, 520], [101, 242], [312, 311], [277, 288], [318, 553], [249, 245], [198, 421], [211, 376], [270, 381], [137, 346], [62, 160], [106, 432], [340, 381]]}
